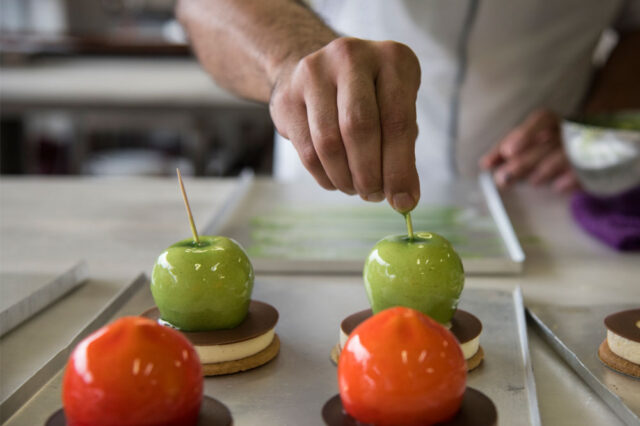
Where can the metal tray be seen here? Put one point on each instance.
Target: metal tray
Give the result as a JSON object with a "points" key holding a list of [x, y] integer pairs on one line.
{"points": [[292, 389], [575, 332], [301, 228], [24, 296]]}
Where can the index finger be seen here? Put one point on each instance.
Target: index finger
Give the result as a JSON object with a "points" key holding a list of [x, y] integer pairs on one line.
{"points": [[397, 105]]}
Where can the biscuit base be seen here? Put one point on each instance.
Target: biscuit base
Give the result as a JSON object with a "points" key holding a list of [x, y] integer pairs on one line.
{"points": [[472, 363], [617, 363], [243, 364], [475, 361]]}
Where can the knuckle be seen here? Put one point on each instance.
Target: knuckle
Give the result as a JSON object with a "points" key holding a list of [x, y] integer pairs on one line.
{"points": [[360, 121], [281, 101], [309, 66], [367, 182], [346, 48], [328, 145], [401, 54], [396, 50], [309, 157], [399, 125]]}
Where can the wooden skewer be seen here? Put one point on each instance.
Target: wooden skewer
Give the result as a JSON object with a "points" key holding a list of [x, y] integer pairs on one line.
{"points": [[407, 218], [194, 231]]}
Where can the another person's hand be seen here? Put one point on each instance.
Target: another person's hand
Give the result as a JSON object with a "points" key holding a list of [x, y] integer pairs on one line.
{"points": [[532, 151], [350, 111]]}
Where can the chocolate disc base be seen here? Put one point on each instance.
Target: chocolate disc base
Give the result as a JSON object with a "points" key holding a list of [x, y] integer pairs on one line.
{"points": [[212, 412], [617, 363], [261, 318], [248, 363], [476, 410], [464, 325]]}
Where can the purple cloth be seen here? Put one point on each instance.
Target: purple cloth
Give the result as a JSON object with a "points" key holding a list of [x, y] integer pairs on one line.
{"points": [[613, 220]]}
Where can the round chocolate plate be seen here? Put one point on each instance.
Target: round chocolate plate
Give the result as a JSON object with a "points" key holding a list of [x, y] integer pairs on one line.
{"points": [[261, 318], [212, 412], [464, 326], [476, 410]]}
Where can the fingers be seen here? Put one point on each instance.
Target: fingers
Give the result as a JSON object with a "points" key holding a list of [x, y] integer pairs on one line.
{"points": [[360, 130], [491, 159], [290, 118], [301, 140], [566, 182], [540, 124], [322, 115], [533, 150], [554, 164], [521, 164], [397, 105], [353, 123]]}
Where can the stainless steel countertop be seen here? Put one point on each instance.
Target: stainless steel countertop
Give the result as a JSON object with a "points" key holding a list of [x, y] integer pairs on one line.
{"points": [[120, 225]]}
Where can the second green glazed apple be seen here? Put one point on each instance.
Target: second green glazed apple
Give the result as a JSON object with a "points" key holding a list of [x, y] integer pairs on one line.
{"points": [[424, 273], [205, 286]]}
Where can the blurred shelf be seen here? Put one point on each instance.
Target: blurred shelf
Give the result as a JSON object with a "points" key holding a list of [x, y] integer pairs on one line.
{"points": [[114, 82], [25, 46]]}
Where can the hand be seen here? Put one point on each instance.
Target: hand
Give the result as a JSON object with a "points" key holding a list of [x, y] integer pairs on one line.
{"points": [[532, 151], [349, 109]]}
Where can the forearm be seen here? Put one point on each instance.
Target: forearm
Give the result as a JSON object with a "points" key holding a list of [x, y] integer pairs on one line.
{"points": [[617, 87], [244, 44]]}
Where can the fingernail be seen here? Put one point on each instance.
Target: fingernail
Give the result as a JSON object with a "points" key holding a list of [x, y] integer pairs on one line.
{"points": [[375, 196], [403, 202]]}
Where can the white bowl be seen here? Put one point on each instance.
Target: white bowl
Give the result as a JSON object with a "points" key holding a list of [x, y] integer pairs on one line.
{"points": [[604, 151]]}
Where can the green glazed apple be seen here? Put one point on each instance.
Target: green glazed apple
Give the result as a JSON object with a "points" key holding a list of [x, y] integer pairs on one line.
{"points": [[205, 286], [424, 273]]}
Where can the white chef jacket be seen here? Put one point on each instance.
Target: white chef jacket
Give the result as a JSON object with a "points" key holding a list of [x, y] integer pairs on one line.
{"points": [[486, 64]]}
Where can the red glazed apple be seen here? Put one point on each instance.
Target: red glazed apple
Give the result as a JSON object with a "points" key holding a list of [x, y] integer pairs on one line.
{"points": [[400, 367], [133, 372]]}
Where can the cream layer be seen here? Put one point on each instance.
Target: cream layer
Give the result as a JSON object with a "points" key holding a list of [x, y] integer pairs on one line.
{"points": [[234, 351], [623, 347]]}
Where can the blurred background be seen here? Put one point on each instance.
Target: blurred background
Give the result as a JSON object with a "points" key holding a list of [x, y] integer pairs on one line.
{"points": [[110, 87]]}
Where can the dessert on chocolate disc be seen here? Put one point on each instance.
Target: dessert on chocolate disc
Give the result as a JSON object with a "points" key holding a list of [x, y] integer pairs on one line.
{"points": [[246, 346], [464, 326], [421, 271], [620, 350], [202, 287], [401, 367], [136, 372]]}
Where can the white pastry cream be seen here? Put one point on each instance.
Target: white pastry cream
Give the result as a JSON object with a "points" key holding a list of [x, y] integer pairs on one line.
{"points": [[470, 348], [234, 351], [623, 347]]}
